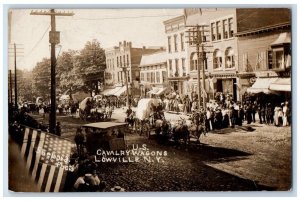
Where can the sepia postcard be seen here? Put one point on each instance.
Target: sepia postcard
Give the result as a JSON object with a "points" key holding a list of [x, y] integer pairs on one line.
{"points": [[150, 100]]}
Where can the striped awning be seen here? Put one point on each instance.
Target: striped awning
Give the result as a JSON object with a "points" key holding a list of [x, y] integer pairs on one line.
{"points": [[281, 84], [261, 85]]}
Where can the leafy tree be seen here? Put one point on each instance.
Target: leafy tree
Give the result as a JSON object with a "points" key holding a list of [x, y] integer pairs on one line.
{"points": [[42, 78], [90, 65]]}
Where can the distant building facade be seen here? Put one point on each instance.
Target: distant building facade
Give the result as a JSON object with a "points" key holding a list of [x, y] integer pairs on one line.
{"points": [[121, 59], [220, 60], [241, 46], [176, 57], [265, 51], [153, 74]]}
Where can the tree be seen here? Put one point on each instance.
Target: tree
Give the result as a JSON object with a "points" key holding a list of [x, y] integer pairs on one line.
{"points": [[90, 65], [42, 78]]}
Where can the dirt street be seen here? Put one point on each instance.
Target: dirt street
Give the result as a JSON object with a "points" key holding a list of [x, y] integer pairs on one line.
{"points": [[226, 160]]}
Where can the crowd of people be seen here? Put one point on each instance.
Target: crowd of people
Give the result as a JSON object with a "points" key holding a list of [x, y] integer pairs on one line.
{"points": [[225, 112]]}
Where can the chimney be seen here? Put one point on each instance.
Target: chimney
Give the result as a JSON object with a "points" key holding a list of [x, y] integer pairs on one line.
{"points": [[120, 43], [124, 43], [144, 47]]}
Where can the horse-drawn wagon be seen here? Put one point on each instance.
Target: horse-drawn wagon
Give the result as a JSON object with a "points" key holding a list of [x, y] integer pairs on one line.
{"points": [[104, 136]]}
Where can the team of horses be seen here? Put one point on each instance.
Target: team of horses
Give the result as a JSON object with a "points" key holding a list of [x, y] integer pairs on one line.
{"points": [[179, 131]]}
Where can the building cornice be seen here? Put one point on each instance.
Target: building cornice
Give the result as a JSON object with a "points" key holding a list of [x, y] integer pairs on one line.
{"points": [[263, 29]]}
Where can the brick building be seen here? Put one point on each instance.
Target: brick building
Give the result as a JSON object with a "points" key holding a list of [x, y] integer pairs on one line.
{"points": [[264, 51], [176, 56], [220, 60], [243, 48], [121, 59]]}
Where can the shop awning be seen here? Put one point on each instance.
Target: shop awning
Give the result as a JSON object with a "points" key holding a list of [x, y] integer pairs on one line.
{"points": [[283, 38], [153, 91], [281, 84], [262, 85], [158, 91], [120, 91], [106, 91], [113, 91]]}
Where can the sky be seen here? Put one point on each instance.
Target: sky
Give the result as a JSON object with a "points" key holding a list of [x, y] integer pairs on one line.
{"points": [[143, 27]]}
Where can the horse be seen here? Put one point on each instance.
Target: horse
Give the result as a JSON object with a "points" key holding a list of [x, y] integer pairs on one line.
{"points": [[130, 120], [162, 130], [181, 132]]}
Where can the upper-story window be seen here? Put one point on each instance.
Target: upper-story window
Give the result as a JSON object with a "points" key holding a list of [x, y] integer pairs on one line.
{"points": [[117, 61], [127, 59], [229, 58], [278, 58], [217, 59], [230, 27], [169, 44], [176, 67], [164, 76], [219, 30], [183, 66], [213, 32], [194, 62], [157, 77], [182, 41], [170, 67], [225, 29], [175, 43]]}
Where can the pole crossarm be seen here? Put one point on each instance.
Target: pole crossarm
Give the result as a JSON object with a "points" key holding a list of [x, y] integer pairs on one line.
{"points": [[51, 13]]}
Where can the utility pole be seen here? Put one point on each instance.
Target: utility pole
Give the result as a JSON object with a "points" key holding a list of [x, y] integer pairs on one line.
{"points": [[126, 83], [10, 87], [13, 50], [199, 39], [54, 39], [16, 90]]}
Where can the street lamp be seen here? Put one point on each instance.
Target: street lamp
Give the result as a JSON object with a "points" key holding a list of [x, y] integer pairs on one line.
{"points": [[124, 68]]}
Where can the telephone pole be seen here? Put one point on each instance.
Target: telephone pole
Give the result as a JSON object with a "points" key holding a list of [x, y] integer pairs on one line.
{"points": [[16, 90], [199, 39], [10, 87], [54, 39], [14, 49]]}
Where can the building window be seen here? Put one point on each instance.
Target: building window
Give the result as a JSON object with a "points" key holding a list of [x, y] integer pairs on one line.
{"points": [[278, 58], [117, 61], [124, 61], [176, 67], [219, 28], [121, 61], [231, 30], [229, 58], [217, 60], [164, 76], [170, 68], [175, 43], [142, 76], [193, 62], [169, 44], [148, 77], [158, 77], [127, 59], [182, 41], [213, 32], [152, 77], [225, 29], [183, 67]]}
